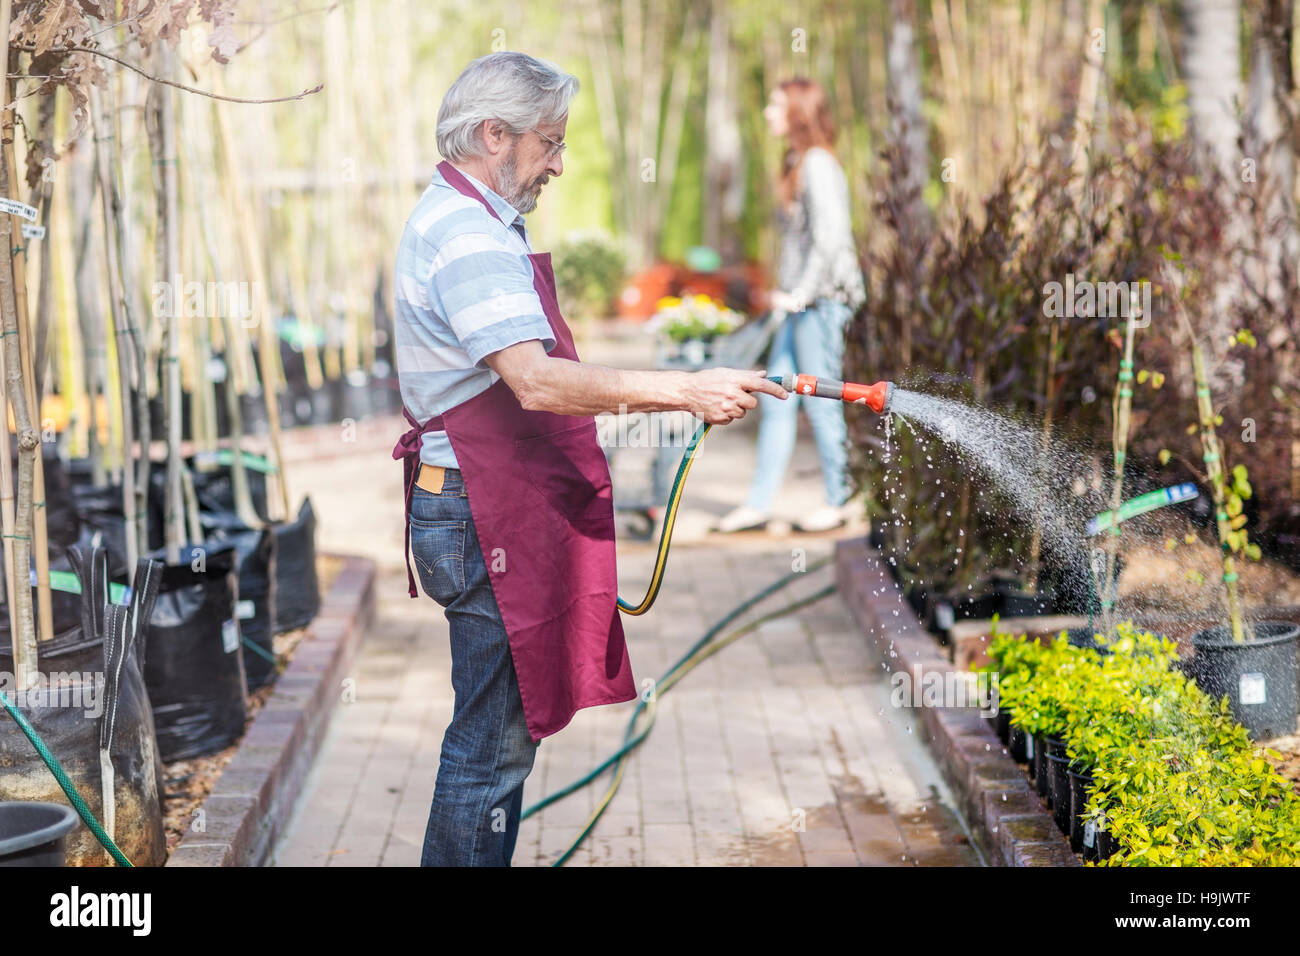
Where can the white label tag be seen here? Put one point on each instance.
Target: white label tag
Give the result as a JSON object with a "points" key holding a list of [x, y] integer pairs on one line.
{"points": [[1029, 746], [16, 208], [33, 232], [244, 610], [230, 635], [1089, 833], [943, 616], [1252, 688]]}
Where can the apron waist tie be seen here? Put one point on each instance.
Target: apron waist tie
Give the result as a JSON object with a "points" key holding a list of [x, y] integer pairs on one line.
{"points": [[407, 450]]}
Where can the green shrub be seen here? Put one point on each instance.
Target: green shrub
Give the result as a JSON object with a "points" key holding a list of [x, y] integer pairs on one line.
{"points": [[1177, 781], [589, 269]]}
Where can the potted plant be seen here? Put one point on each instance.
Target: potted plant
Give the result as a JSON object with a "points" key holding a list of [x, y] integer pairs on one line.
{"points": [[1253, 664], [692, 324]]}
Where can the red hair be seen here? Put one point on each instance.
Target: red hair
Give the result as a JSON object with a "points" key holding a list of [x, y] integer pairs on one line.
{"points": [[809, 124]]}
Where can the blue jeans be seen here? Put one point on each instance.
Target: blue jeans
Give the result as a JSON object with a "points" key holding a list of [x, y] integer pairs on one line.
{"points": [[811, 342], [486, 751]]}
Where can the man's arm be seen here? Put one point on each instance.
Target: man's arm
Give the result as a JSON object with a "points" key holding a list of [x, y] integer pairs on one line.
{"points": [[543, 383]]}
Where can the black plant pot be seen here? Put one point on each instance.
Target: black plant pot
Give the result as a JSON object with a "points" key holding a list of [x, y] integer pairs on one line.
{"points": [[33, 833], [1026, 604], [1031, 755], [1039, 763], [1059, 771], [1004, 726], [1016, 747], [1106, 845], [1079, 784], [1043, 779], [1258, 675], [1085, 637]]}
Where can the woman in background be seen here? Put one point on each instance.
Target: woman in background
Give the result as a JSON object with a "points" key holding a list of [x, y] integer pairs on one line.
{"points": [[820, 286]]}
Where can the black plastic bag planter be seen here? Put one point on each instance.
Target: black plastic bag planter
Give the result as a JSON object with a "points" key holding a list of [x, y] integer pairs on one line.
{"points": [[34, 833], [194, 662], [1004, 726], [1058, 769], [1258, 675], [78, 700], [255, 607], [297, 588]]}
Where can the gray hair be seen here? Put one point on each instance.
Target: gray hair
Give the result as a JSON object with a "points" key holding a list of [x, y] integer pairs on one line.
{"points": [[519, 90]]}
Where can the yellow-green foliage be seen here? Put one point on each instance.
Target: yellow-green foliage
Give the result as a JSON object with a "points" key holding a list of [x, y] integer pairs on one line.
{"points": [[1176, 779]]}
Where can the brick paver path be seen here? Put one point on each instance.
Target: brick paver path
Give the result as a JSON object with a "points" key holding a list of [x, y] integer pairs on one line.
{"points": [[782, 749]]}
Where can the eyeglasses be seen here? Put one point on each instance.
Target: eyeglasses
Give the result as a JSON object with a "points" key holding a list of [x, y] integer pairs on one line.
{"points": [[558, 147]]}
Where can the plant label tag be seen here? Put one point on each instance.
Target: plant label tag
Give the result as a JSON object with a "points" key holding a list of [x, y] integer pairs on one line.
{"points": [[33, 232], [230, 635], [1090, 833], [1252, 689], [943, 616], [1029, 746], [244, 610], [16, 208]]}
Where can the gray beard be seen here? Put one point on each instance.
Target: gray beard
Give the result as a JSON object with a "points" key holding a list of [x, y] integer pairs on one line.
{"points": [[523, 199]]}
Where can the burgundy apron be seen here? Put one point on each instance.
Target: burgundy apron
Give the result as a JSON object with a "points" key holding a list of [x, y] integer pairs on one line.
{"points": [[540, 492]]}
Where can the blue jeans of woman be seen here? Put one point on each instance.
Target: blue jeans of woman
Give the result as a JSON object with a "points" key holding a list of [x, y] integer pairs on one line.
{"points": [[811, 342], [487, 751]]}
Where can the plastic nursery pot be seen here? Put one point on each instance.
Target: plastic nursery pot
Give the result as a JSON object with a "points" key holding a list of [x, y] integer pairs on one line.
{"points": [[1016, 747], [1043, 777], [1032, 747], [1004, 726], [1085, 637], [1059, 771], [1106, 845], [1038, 766], [1258, 675], [34, 833], [1079, 784]]}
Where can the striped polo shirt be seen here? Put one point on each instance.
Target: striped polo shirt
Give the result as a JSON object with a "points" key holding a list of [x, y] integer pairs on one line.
{"points": [[463, 290]]}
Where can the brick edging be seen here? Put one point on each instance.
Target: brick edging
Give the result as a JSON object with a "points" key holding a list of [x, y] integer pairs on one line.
{"points": [[1002, 809], [254, 797]]}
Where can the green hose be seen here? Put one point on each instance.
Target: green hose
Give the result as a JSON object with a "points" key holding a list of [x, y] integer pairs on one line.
{"points": [[698, 652], [69, 788]]}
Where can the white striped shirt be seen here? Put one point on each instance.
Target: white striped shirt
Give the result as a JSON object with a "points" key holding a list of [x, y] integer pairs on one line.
{"points": [[464, 289]]}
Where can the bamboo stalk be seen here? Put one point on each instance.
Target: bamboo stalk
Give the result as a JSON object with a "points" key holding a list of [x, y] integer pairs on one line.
{"points": [[1120, 416], [1212, 454], [22, 624], [162, 141], [120, 313], [40, 528], [250, 246]]}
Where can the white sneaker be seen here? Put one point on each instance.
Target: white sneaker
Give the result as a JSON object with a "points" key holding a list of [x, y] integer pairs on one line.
{"points": [[823, 519], [743, 518]]}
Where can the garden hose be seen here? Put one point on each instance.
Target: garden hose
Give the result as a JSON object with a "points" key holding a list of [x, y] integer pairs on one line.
{"points": [[69, 788], [877, 397], [703, 649]]}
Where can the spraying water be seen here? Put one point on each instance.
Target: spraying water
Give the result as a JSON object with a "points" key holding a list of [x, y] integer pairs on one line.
{"points": [[1041, 480]]}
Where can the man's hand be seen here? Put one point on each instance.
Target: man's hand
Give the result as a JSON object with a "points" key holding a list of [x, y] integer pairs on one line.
{"points": [[722, 395], [543, 383]]}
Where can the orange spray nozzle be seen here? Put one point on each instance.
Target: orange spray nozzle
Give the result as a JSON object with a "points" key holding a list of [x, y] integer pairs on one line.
{"points": [[876, 397]]}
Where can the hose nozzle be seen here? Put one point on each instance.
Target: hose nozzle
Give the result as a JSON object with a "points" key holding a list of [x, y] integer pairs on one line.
{"points": [[876, 397]]}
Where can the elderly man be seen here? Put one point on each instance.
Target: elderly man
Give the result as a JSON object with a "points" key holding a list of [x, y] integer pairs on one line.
{"points": [[509, 509]]}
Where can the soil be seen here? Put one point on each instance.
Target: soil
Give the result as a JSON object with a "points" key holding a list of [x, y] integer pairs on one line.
{"points": [[187, 783], [1188, 579]]}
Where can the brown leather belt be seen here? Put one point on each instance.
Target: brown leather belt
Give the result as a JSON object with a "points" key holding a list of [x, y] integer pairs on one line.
{"points": [[431, 477]]}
